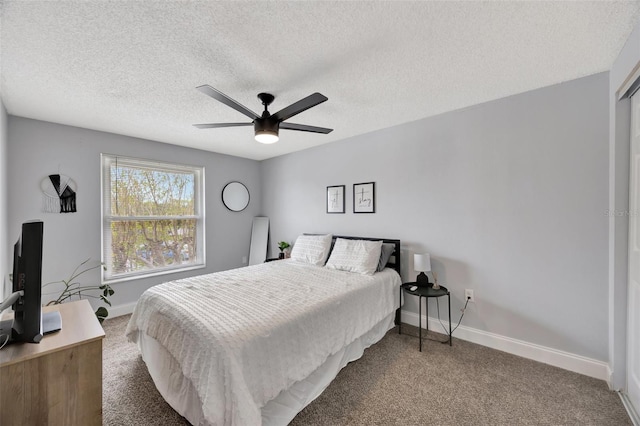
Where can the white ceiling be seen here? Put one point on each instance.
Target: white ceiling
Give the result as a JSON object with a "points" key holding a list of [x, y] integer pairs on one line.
{"points": [[132, 67]]}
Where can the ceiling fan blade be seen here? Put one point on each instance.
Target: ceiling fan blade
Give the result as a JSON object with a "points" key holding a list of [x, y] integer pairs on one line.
{"points": [[219, 96], [298, 107], [305, 128], [216, 125]]}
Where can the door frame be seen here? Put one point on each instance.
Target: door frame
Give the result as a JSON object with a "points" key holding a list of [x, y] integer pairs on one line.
{"points": [[632, 406]]}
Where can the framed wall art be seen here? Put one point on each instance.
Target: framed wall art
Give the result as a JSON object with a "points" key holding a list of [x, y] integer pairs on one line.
{"points": [[364, 200], [58, 194], [335, 199]]}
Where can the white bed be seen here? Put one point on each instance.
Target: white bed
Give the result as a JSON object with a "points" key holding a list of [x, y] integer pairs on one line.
{"points": [[255, 345]]}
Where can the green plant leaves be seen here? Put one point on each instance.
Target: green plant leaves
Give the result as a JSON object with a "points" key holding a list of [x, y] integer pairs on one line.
{"points": [[74, 289], [102, 313], [283, 245], [106, 290]]}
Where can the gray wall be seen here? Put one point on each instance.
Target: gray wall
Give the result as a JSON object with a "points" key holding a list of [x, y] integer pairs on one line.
{"points": [[4, 252], [619, 139], [37, 149], [509, 197]]}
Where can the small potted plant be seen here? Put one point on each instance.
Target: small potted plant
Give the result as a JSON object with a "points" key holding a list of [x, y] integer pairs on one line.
{"points": [[283, 245], [74, 289]]}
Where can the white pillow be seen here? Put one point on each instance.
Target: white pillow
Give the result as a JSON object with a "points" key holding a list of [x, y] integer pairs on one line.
{"points": [[359, 256], [313, 249]]}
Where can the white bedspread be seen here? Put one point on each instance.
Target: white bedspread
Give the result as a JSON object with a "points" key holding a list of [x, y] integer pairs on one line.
{"points": [[244, 335]]}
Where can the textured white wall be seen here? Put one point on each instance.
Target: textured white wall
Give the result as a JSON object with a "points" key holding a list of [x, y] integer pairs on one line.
{"points": [[509, 197], [37, 149]]}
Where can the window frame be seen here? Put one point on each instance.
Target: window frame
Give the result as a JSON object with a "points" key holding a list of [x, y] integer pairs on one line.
{"points": [[106, 216]]}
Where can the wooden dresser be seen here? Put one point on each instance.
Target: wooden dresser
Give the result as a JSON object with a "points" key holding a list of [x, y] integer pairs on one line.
{"points": [[59, 380]]}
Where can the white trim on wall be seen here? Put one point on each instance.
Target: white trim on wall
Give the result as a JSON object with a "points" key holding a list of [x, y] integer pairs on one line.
{"points": [[5, 254], [565, 360], [120, 310], [633, 415], [630, 85]]}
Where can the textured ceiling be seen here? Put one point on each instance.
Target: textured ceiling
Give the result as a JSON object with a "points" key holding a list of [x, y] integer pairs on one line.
{"points": [[132, 67]]}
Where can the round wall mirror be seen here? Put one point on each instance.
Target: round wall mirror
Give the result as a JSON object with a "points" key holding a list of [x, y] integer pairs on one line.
{"points": [[235, 196]]}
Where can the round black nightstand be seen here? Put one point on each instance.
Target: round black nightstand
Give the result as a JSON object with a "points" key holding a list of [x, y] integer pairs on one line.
{"points": [[425, 292]]}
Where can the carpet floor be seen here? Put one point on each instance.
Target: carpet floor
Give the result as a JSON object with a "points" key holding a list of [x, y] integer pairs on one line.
{"points": [[395, 384]]}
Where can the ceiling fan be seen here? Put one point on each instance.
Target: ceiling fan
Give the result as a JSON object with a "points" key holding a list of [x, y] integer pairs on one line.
{"points": [[266, 126]]}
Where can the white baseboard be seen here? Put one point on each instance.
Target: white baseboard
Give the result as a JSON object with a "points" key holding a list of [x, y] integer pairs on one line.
{"points": [[557, 358], [610, 379], [633, 414], [120, 310], [568, 361]]}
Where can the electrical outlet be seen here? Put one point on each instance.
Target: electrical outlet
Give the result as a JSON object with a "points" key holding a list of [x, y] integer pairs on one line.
{"points": [[244, 260], [468, 295]]}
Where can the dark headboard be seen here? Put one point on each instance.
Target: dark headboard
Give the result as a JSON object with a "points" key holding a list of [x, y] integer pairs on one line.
{"points": [[394, 260]]}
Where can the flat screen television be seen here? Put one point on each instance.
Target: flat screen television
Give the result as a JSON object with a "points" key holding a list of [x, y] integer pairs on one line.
{"points": [[27, 277], [28, 323]]}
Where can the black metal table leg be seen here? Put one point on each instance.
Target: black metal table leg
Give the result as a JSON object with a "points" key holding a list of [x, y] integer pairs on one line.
{"points": [[450, 336], [426, 293], [400, 313], [426, 314], [420, 321]]}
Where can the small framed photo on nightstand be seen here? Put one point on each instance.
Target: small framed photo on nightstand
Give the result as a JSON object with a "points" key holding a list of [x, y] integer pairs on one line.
{"points": [[335, 199]]}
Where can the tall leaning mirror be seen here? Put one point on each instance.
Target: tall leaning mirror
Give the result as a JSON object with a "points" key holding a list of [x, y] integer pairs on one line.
{"points": [[235, 196]]}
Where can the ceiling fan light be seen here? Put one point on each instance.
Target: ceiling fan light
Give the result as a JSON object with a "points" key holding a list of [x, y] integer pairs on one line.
{"points": [[266, 136]]}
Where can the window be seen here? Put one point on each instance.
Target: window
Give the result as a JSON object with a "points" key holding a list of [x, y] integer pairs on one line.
{"points": [[152, 217]]}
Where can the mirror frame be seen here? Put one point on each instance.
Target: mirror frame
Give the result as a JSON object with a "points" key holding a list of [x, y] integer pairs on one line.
{"points": [[227, 191]]}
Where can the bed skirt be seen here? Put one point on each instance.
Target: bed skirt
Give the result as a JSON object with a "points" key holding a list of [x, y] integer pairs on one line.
{"points": [[178, 391]]}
